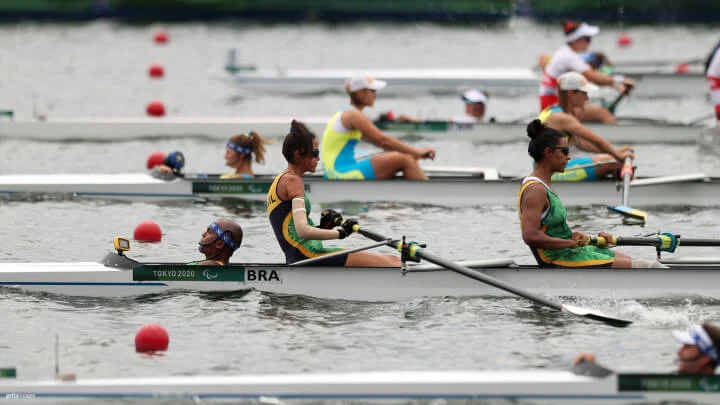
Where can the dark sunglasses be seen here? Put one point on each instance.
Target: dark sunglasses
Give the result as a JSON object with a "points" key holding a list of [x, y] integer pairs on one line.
{"points": [[316, 153], [564, 149]]}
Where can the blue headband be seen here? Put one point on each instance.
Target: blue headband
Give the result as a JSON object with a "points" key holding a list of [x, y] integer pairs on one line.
{"points": [[238, 148], [222, 235]]}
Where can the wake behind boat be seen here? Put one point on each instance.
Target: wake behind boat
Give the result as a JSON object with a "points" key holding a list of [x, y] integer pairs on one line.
{"points": [[533, 385], [118, 129], [461, 186], [117, 275]]}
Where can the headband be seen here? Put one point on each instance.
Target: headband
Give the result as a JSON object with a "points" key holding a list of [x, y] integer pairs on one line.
{"points": [[238, 148], [222, 235]]}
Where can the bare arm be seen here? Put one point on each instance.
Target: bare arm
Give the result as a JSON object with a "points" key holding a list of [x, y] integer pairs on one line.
{"points": [[599, 78], [534, 202], [568, 123], [292, 187], [355, 119]]}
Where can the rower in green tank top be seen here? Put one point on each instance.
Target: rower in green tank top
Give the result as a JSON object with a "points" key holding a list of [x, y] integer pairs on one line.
{"points": [[543, 218], [219, 241]]}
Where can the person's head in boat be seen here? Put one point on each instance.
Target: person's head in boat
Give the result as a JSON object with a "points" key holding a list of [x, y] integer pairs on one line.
{"points": [[548, 147], [301, 149], [699, 352], [219, 241], [475, 103], [239, 151], [578, 35], [573, 89], [362, 89]]}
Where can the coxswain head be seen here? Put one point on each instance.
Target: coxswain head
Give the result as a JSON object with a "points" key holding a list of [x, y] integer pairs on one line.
{"points": [[220, 240], [475, 103], [362, 89], [699, 352]]}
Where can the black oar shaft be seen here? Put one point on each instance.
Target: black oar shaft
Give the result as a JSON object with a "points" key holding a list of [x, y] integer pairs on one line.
{"points": [[653, 241], [487, 279]]}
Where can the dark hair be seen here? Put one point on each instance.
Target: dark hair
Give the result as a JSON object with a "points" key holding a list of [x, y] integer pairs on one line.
{"points": [[299, 139], [541, 137], [254, 142]]}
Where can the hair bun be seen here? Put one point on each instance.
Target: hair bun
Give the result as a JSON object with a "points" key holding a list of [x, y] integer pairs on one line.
{"points": [[535, 128]]}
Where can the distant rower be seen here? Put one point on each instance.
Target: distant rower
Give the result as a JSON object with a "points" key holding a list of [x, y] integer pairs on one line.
{"points": [[567, 59]]}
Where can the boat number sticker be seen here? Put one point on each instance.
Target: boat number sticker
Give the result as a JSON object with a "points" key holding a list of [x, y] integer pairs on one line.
{"points": [[668, 382], [161, 272], [229, 187]]}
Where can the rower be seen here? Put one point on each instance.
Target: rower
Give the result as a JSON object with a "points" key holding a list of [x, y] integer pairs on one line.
{"points": [[712, 71], [567, 59], [170, 166], [543, 218], [239, 150], [698, 354], [289, 210], [566, 116], [349, 125], [475, 103], [219, 241]]}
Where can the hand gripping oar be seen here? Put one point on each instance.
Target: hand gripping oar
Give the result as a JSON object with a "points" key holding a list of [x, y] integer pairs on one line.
{"points": [[624, 209], [415, 252], [666, 242]]}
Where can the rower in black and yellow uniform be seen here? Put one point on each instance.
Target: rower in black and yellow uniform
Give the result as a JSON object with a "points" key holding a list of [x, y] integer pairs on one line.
{"points": [[289, 210], [543, 218], [219, 241], [565, 117], [349, 126]]}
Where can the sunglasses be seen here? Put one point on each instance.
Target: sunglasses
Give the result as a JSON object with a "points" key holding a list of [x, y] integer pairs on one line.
{"points": [[564, 149], [316, 153]]}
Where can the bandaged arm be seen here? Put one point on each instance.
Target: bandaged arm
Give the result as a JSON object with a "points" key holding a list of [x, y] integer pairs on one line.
{"points": [[303, 229]]}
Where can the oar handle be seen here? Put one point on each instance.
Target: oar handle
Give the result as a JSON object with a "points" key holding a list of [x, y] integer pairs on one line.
{"points": [[666, 242]]}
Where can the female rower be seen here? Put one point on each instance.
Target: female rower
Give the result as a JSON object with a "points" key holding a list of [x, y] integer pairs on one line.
{"points": [[349, 125], [568, 59], [289, 210], [239, 150], [543, 218], [566, 116]]}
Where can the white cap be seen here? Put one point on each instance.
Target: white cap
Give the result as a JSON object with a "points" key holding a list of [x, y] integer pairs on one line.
{"points": [[362, 81], [575, 81], [697, 336], [583, 30], [474, 96]]}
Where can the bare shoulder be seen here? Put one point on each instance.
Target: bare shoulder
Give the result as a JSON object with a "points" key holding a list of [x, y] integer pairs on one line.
{"points": [[290, 186]]}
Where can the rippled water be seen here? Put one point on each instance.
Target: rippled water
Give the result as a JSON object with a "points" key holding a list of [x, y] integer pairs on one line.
{"points": [[98, 69]]}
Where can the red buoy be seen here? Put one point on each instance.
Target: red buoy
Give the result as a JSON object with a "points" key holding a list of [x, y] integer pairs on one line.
{"points": [[147, 231], [155, 159], [161, 37], [155, 109], [151, 338], [624, 40], [156, 71], [390, 115], [682, 69]]}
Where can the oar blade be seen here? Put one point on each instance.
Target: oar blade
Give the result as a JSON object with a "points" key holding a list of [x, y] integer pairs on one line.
{"points": [[596, 315], [629, 212]]}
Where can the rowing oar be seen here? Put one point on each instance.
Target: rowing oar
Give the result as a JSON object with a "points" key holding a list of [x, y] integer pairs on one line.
{"points": [[624, 209], [339, 253], [666, 242], [415, 252], [617, 101]]}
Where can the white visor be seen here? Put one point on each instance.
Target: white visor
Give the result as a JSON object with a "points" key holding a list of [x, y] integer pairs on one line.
{"points": [[584, 30], [362, 81]]}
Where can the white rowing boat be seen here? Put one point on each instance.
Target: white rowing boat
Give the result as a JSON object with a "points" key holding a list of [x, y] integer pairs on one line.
{"points": [[460, 187], [652, 82], [528, 385], [119, 276], [632, 131]]}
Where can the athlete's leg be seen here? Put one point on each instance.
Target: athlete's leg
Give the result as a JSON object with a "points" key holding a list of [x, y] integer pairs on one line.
{"points": [[622, 261], [387, 164], [603, 169], [370, 259], [598, 113]]}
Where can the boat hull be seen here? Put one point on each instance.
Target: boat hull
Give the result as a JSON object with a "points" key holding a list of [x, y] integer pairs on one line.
{"points": [[457, 190], [219, 128], [361, 284]]}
